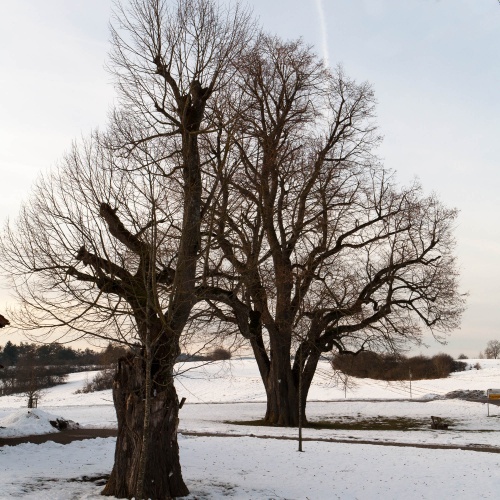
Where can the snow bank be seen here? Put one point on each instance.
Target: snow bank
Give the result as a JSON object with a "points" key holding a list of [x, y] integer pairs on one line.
{"points": [[26, 422]]}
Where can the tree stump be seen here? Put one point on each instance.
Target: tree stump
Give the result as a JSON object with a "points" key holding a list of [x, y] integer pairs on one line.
{"points": [[438, 423]]}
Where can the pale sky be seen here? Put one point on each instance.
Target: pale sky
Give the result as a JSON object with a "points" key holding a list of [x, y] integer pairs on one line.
{"points": [[434, 65]]}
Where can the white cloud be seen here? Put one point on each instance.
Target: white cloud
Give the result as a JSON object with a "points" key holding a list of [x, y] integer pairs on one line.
{"points": [[324, 31]]}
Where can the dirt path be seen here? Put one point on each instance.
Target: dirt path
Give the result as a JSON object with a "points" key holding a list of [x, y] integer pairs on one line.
{"points": [[62, 437], [484, 449], [65, 437]]}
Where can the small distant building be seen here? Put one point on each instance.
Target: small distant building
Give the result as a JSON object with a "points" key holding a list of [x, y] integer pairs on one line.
{"points": [[3, 321]]}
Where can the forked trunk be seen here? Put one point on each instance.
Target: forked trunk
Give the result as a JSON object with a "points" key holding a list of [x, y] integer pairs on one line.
{"points": [[282, 386], [162, 478], [282, 391]]}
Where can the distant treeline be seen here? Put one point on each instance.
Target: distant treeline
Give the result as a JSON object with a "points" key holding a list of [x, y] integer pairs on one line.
{"points": [[55, 354], [29, 368], [391, 367], [216, 354]]}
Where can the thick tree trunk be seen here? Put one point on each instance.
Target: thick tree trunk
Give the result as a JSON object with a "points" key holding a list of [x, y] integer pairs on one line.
{"points": [[281, 382], [282, 404], [282, 391], [163, 478]]}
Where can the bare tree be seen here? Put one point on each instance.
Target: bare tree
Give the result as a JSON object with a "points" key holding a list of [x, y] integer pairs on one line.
{"points": [[313, 246], [109, 243], [28, 377], [344, 381], [492, 350], [84, 254]]}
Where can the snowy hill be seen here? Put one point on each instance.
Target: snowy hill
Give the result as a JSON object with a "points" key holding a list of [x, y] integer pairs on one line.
{"points": [[334, 465]]}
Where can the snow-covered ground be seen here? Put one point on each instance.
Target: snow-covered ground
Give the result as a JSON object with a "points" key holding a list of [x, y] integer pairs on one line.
{"points": [[245, 466]]}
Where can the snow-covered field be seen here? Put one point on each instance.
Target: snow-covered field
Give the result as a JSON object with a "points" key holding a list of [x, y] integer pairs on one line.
{"points": [[242, 465]]}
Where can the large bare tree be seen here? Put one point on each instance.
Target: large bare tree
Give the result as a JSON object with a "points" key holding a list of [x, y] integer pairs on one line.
{"points": [[108, 244], [313, 246], [94, 249]]}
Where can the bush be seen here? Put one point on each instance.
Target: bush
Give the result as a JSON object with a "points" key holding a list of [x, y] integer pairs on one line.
{"points": [[186, 357], [216, 354], [219, 354], [443, 364], [459, 366], [102, 380], [396, 367]]}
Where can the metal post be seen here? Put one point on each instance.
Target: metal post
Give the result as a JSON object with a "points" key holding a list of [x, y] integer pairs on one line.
{"points": [[300, 399], [410, 387]]}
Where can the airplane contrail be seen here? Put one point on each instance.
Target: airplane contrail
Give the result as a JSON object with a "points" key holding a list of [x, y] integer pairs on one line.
{"points": [[324, 32]]}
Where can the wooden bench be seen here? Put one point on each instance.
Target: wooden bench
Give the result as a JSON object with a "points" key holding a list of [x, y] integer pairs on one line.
{"points": [[438, 423]]}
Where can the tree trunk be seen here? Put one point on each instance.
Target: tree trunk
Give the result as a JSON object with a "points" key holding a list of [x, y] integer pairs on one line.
{"points": [[282, 386], [309, 366], [282, 391], [163, 478]]}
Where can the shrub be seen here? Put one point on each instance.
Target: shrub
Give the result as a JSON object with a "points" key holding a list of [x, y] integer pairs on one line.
{"points": [[102, 380], [396, 367], [443, 364], [459, 366], [186, 357], [219, 354]]}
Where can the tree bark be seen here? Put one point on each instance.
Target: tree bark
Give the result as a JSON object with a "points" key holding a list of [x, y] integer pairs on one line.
{"points": [[282, 402], [281, 382], [282, 390], [163, 478]]}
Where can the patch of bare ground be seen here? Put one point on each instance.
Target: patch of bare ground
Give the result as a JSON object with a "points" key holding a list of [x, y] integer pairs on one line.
{"points": [[62, 437], [479, 448]]}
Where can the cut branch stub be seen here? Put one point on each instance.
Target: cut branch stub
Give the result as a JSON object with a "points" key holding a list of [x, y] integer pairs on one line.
{"points": [[119, 231]]}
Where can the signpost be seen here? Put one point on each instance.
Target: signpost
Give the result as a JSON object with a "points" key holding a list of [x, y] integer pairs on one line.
{"points": [[492, 394]]}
